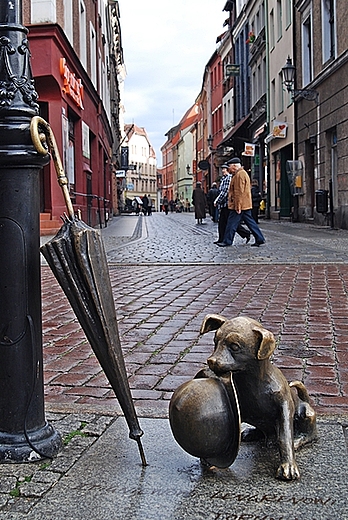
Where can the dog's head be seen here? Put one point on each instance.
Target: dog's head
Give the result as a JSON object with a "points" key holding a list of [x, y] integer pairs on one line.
{"points": [[239, 343]]}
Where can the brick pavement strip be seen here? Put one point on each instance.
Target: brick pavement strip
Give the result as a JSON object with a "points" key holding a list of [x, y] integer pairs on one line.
{"points": [[297, 303]]}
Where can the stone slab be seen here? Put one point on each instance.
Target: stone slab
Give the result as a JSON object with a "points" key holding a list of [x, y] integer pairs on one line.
{"points": [[108, 482]]}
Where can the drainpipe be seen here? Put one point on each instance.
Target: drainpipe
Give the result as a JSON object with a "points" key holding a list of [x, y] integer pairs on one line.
{"points": [[268, 204]]}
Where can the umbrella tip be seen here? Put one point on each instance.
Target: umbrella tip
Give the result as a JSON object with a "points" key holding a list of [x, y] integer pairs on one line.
{"points": [[142, 454]]}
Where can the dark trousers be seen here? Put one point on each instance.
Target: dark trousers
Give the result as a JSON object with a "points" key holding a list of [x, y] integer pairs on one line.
{"points": [[234, 220], [223, 218]]}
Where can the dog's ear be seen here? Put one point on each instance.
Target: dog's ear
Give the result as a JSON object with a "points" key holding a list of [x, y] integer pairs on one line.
{"points": [[212, 322], [267, 345]]}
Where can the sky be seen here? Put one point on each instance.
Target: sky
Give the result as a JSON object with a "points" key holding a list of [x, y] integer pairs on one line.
{"points": [[166, 45]]}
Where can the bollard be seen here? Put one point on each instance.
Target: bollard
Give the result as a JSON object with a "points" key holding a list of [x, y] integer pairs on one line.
{"points": [[24, 433]]}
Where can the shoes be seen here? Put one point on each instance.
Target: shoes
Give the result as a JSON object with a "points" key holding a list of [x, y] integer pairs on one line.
{"points": [[216, 242], [247, 239], [223, 244], [257, 244]]}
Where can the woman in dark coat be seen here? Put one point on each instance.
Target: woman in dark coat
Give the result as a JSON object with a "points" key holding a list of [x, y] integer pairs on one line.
{"points": [[199, 202]]}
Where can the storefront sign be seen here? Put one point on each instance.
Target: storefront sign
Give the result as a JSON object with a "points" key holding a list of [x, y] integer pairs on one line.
{"points": [[232, 70], [72, 86], [279, 129], [249, 149]]}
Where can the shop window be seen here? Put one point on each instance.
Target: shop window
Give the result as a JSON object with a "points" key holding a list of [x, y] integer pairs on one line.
{"points": [[69, 151]]}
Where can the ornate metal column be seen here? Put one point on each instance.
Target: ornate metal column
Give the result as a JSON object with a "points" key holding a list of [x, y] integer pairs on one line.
{"points": [[24, 433]]}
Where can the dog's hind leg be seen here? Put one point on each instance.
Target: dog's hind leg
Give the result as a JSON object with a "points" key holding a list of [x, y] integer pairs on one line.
{"points": [[305, 427]]}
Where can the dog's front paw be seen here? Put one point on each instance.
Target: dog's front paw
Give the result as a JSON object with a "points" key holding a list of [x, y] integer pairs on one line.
{"points": [[288, 471]]}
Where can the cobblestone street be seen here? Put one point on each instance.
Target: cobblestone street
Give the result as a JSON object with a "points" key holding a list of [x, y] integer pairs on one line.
{"points": [[167, 275]]}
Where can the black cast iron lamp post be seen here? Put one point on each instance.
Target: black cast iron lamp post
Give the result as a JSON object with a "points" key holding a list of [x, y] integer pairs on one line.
{"points": [[24, 433]]}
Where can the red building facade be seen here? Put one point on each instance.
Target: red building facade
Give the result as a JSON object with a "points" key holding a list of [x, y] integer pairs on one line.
{"points": [[70, 103]]}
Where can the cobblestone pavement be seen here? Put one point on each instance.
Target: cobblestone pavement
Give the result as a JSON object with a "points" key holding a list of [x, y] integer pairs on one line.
{"points": [[166, 275], [176, 238]]}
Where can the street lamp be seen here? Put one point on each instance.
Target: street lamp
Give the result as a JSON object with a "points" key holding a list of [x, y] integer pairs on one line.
{"points": [[288, 73], [210, 142], [188, 169]]}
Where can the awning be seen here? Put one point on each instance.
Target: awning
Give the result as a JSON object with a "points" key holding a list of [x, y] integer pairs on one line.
{"points": [[235, 129]]}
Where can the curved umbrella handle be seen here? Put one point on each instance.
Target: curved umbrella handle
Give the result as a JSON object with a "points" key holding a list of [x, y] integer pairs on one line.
{"points": [[44, 142]]}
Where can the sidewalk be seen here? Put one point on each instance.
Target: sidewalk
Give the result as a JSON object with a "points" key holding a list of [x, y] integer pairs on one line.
{"points": [[167, 275]]}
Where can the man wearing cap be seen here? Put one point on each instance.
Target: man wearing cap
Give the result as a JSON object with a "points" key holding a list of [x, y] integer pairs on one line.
{"points": [[221, 203], [240, 205]]}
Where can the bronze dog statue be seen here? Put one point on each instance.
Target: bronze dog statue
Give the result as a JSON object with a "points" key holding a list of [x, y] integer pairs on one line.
{"points": [[267, 401]]}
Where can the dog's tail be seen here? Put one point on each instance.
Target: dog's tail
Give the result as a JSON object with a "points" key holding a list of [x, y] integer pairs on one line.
{"points": [[301, 390]]}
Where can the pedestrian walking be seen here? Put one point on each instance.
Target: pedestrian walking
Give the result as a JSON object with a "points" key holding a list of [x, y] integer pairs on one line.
{"points": [[137, 204], [221, 203], [149, 207], [199, 202], [212, 195], [240, 204], [256, 199], [165, 205], [145, 202]]}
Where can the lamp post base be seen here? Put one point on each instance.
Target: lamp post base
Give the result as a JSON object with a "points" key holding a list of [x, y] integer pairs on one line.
{"points": [[44, 443]]}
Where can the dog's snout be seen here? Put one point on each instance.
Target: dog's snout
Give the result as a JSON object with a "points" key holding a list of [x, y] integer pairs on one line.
{"points": [[215, 365], [212, 362]]}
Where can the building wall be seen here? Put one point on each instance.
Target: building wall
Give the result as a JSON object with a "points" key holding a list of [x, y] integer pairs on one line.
{"points": [[74, 96], [143, 178], [322, 125]]}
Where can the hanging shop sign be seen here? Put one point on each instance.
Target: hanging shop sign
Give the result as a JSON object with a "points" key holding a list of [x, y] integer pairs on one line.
{"points": [[249, 149], [124, 157], [72, 86], [279, 129], [232, 70]]}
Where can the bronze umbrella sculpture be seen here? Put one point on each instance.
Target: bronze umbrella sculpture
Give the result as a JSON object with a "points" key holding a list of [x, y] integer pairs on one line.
{"points": [[77, 258]]}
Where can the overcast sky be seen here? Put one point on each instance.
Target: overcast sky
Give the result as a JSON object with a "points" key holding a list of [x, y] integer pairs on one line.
{"points": [[166, 46]]}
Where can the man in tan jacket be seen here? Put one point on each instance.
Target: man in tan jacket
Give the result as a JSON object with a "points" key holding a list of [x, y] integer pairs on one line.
{"points": [[240, 205]]}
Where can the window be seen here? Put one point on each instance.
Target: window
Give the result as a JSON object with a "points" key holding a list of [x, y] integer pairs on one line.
{"points": [[280, 93], [273, 96], [253, 89], [307, 51], [68, 20], [288, 12], [83, 37], [279, 19], [328, 29], [42, 11], [271, 29], [93, 51]]}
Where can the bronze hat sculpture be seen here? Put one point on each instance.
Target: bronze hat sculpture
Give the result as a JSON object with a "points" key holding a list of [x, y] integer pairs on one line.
{"points": [[205, 421]]}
